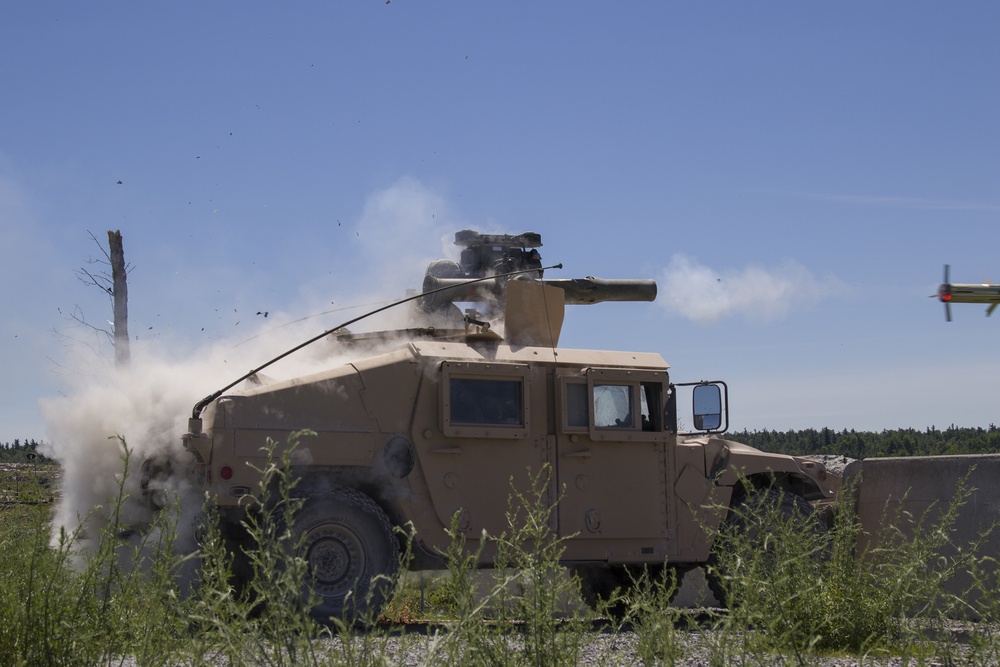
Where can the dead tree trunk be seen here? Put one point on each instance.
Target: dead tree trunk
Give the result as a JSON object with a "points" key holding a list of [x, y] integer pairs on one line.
{"points": [[122, 353]]}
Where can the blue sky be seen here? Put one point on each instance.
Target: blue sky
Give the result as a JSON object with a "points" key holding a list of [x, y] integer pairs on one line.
{"points": [[794, 175]]}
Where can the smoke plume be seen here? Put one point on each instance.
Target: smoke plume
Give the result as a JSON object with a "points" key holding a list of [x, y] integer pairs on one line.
{"points": [[702, 294]]}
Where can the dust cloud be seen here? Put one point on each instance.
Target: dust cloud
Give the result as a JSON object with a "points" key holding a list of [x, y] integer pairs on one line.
{"points": [[701, 294], [144, 408], [400, 230]]}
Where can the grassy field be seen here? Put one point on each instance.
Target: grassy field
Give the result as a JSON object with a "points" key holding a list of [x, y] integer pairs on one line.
{"points": [[28, 483], [797, 594]]}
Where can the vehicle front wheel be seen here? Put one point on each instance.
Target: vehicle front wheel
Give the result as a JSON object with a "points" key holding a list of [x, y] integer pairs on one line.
{"points": [[763, 529], [346, 540]]}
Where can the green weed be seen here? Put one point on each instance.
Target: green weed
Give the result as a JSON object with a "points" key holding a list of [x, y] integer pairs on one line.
{"points": [[797, 590], [517, 614]]}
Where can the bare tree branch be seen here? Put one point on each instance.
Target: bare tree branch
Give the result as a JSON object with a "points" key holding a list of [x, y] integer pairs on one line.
{"points": [[114, 285], [96, 281], [78, 317]]}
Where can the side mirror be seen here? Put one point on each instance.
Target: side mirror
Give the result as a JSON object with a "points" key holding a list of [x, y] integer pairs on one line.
{"points": [[707, 401], [710, 406]]}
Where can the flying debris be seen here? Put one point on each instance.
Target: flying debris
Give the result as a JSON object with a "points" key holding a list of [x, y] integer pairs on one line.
{"points": [[458, 407], [949, 293]]}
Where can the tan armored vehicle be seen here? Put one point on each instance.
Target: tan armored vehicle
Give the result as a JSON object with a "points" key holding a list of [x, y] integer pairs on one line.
{"points": [[451, 411]]}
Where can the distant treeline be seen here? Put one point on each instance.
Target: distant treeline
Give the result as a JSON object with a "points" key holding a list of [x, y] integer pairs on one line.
{"points": [[850, 443], [868, 444], [21, 452]]}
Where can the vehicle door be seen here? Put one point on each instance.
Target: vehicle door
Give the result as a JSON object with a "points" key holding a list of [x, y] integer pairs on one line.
{"points": [[612, 458]]}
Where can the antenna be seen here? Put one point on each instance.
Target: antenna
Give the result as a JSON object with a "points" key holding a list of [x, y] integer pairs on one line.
{"points": [[200, 405]]}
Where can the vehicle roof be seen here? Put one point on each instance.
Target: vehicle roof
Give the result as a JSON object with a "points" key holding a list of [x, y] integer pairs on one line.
{"points": [[501, 352]]}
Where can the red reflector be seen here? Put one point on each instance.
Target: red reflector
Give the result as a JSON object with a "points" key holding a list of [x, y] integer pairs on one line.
{"points": [[225, 472], [946, 297]]}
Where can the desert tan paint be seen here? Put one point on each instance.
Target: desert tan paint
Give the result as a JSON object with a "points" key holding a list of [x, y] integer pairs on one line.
{"points": [[390, 424]]}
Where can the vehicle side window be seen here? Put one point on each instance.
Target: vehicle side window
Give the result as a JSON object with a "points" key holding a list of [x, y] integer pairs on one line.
{"points": [[492, 402], [621, 404], [576, 405], [613, 406], [650, 406]]}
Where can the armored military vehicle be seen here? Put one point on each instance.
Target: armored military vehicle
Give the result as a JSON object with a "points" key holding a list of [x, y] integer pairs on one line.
{"points": [[438, 420]]}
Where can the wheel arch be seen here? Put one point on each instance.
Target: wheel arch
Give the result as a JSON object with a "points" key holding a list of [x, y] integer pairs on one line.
{"points": [[786, 481], [317, 480]]}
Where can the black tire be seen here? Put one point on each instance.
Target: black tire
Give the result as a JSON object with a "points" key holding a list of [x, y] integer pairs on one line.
{"points": [[599, 583], [748, 521], [347, 541]]}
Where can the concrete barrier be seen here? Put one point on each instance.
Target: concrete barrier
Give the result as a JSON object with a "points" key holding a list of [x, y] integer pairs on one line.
{"points": [[919, 489], [924, 486]]}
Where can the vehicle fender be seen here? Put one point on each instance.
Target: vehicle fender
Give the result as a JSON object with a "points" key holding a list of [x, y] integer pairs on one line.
{"points": [[735, 462]]}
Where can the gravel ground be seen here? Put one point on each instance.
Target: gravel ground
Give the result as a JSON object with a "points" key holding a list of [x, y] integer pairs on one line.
{"points": [[414, 648], [696, 649]]}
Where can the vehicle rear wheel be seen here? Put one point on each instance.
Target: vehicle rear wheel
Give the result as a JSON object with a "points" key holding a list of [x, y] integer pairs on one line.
{"points": [[750, 533], [346, 540]]}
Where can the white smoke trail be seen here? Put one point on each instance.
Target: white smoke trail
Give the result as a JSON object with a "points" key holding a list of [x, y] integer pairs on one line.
{"points": [[702, 294]]}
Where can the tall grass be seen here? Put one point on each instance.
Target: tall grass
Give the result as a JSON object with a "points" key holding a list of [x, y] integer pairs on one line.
{"points": [[27, 483], [527, 611], [55, 614], [797, 591], [660, 630], [268, 621], [264, 622]]}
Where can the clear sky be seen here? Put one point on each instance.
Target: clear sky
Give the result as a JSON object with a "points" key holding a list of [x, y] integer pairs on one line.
{"points": [[794, 175]]}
